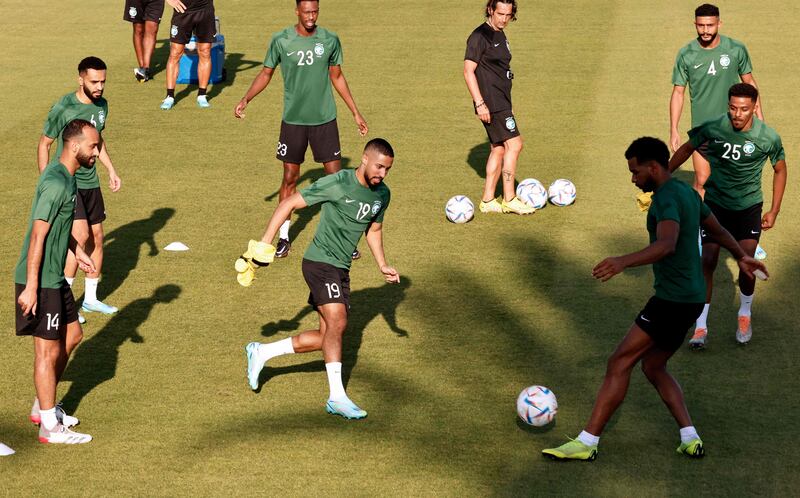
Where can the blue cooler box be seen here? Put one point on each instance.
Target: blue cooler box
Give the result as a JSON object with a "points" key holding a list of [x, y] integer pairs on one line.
{"points": [[187, 69]]}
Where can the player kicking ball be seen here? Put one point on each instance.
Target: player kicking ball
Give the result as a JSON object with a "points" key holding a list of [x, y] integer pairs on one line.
{"points": [[673, 220], [353, 203]]}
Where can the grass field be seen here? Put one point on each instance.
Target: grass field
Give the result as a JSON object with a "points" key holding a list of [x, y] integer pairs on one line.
{"points": [[484, 310]]}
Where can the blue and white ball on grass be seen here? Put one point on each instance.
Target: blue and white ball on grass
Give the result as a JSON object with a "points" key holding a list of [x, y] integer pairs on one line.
{"points": [[537, 406], [562, 192], [459, 209], [532, 192]]}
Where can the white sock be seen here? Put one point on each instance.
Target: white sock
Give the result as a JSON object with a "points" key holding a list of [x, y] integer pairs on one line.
{"points": [[688, 434], [703, 318], [49, 419], [90, 290], [283, 233], [335, 381], [745, 302], [273, 349], [588, 439], [69, 280]]}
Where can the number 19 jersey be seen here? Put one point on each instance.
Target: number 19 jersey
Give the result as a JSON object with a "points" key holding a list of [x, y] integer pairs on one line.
{"points": [[347, 210], [305, 60]]}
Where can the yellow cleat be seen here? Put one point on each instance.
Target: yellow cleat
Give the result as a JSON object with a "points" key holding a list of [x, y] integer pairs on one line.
{"points": [[643, 201], [516, 206]]}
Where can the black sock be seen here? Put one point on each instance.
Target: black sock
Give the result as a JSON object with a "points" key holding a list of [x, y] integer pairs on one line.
{"points": [[201, 92], [171, 92]]}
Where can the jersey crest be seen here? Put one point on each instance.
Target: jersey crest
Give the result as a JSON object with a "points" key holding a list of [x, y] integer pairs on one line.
{"points": [[174, 30], [511, 125], [132, 12], [101, 116], [749, 148], [319, 49], [724, 60], [376, 206]]}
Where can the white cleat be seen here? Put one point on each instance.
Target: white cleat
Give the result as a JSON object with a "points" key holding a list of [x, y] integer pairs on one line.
{"points": [[61, 435]]}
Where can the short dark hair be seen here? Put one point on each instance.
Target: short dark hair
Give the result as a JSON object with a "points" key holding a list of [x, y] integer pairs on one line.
{"points": [[743, 90], [706, 10], [492, 4], [380, 146], [297, 2], [74, 128], [648, 149], [91, 62]]}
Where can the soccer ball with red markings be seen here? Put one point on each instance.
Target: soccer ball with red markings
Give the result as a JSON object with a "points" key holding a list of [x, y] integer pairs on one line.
{"points": [[537, 406]]}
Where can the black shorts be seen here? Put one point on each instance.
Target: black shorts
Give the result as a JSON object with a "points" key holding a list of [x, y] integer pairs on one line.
{"points": [[295, 139], [328, 284], [138, 11], [89, 206], [743, 225], [55, 308], [501, 127], [667, 322], [200, 22]]}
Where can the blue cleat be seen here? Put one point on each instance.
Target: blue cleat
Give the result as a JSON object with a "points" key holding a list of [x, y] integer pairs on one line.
{"points": [[254, 364], [99, 307], [344, 408], [202, 102], [167, 103]]}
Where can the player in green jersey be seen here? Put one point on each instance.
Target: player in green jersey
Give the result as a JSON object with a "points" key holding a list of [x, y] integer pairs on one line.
{"points": [[310, 58], [45, 307], [86, 103], [353, 204], [675, 215], [737, 145], [708, 65]]}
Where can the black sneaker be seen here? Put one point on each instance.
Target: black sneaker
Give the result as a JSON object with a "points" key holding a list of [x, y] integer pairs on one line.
{"points": [[140, 75], [283, 248], [356, 255]]}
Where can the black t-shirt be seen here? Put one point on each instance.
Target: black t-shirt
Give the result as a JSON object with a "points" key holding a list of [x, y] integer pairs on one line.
{"points": [[491, 51], [193, 5]]}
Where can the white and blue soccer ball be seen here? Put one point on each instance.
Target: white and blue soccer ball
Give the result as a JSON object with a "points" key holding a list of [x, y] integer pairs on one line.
{"points": [[562, 192], [459, 209], [537, 406], [532, 192]]}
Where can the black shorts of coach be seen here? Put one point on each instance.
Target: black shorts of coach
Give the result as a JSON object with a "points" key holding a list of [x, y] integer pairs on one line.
{"points": [[89, 206], [501, 126], [55, 308], [668, 322], [742, 224], [201, 22], [139, 11], [295, 139], [328, 284]]}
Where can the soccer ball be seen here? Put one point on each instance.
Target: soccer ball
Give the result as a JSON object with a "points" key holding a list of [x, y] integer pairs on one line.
{"points": [[532, 192], [561, 192], [537, 405], [459, 209]]}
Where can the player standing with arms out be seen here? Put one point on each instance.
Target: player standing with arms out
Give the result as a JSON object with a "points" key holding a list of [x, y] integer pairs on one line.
{"points": [[45, 307], [487, 72], [190, 16], [144, 15], [737, 145], [675, 215], [88, 104], [311, 61], [353, 203]]}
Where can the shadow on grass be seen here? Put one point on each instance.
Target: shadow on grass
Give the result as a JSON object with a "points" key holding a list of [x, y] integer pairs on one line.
{"points": [[234, 63], [95, 360]]}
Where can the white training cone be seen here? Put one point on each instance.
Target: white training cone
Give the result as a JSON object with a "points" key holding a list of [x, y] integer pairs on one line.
{"points": [[5, 450], [176, 246]]}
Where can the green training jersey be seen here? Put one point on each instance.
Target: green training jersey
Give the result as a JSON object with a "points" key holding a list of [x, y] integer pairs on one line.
{"points": [[53, 202], [65, 110], [304, 60], [710, 73], [679, 276], [737, 159], [348, 209]]}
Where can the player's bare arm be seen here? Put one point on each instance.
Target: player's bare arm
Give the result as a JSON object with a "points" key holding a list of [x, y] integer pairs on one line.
{"points": [[259, 84], [666, 240], [43, 152], [28, 298], [374, 236], [472, 85], [675, 110], [749, 79], [747, 264], [177, 5], [778, 188], [85, 263], [114, 181], [340, 84], [281, 214], [680, 156]]}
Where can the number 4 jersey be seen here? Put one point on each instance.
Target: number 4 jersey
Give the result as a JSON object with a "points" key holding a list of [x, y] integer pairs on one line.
{"points": [[347, 210], [737, 159], [305, 61]]}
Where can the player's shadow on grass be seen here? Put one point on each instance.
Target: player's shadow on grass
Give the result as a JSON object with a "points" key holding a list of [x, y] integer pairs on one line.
{"points": [[122, 245], [477, 158], [366, 305], [95, 360]]}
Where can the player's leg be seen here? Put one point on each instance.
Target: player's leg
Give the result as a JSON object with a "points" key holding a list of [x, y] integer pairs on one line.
{"points": [[513, 147], [138, 46], [95, 216], [148, 45], [747, 289], [494, 164], [203, 73], [702, 170], [710, 259], [292, 144], [175, 53]]}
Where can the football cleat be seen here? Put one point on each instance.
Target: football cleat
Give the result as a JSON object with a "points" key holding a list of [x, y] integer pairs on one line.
{"points": [[760, 254], [98, 306], [572, 450], [516, 206], [254, 364], [356, 254], [62, 435], [698, 340], [81, 319], [61, 415], [744, 332], [202, 102], [643, 201], [692, 449], [492, 206], [283, 248], [167, 103], [140, 74], [344, 408]]}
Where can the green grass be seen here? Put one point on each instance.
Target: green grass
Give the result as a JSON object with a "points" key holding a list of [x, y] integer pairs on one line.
{"points": [[486, 309]]}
